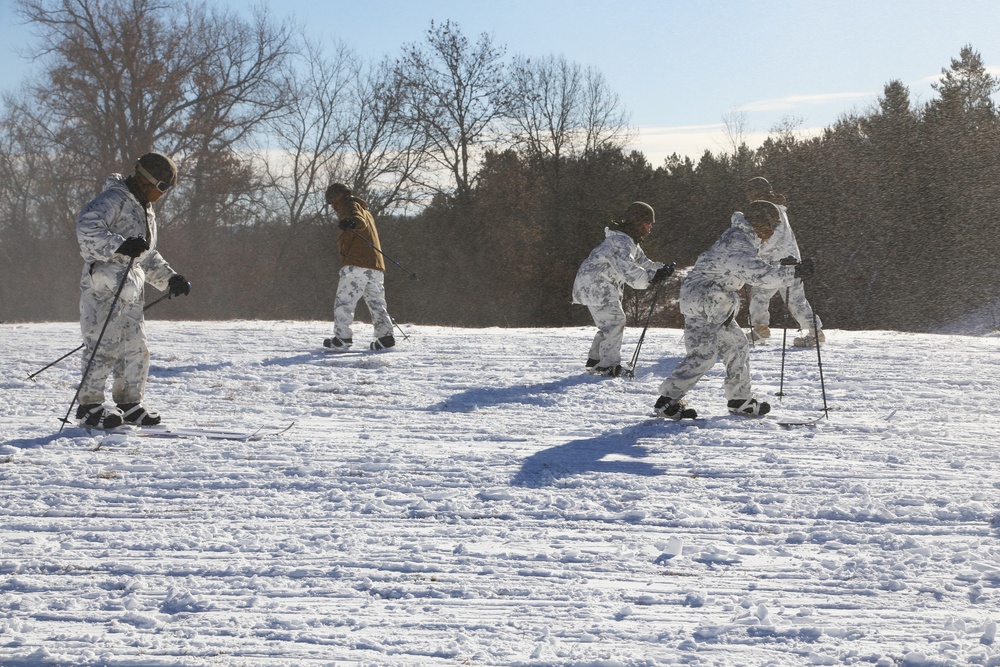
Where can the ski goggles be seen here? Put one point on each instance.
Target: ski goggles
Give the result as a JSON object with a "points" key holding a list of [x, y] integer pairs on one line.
{"points": [[162, 186]]}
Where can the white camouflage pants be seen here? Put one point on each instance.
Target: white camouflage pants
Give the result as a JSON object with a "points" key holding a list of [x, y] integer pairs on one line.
{"points": [[607, 346], [358, 283], [704, 342], [122, 350], [798, 306]]}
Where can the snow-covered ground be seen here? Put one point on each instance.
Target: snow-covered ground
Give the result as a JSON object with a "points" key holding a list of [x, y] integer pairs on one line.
{"points": [[472, 497]]}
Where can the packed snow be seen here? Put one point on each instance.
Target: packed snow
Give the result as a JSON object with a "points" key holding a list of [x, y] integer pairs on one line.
{"points": [[474, 497]]}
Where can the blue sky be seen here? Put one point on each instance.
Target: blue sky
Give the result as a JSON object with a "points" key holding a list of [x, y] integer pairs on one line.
{"points": [[680, 67]]}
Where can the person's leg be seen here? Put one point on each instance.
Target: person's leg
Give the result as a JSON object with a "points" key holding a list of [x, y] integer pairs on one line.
{"points": [[374, 296], [610, 320], [739, 393], [93, 314], [736, 356], [760, 306], [350, 288], [594, 355], [701, 341], [132, 365], [799, 307], [760, 312]]}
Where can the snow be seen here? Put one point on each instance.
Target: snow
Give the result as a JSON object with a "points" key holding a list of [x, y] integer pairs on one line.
{"points": [[473, 497]]}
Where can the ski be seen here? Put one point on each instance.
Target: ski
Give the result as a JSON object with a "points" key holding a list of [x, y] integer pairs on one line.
{"points": [[332, 351], [693, 421], [804, 422], [190, 432]]}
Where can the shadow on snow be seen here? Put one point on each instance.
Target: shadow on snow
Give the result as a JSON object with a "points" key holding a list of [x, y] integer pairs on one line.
{"points": [[590, 455], [42, 440], [540, 393]]}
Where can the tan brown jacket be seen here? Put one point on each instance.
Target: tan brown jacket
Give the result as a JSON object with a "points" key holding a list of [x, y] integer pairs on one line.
{"points": [[355, 251]]}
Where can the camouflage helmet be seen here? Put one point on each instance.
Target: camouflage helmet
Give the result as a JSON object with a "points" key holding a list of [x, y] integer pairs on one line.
{"points": [[157, 169]]}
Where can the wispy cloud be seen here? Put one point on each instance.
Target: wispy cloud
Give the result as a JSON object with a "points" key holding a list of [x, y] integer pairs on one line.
{"points": [[993, 70], [659, 143], [926, 80], [683, 129], [790, 102]]}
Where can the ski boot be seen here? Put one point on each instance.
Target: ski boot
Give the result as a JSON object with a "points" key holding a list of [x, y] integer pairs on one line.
{"points": [[810, 339], [136, 415], [383, 343], [760, 332], [748, 407], [672, 408], [95, 415], [608, 371], [338, 343]]}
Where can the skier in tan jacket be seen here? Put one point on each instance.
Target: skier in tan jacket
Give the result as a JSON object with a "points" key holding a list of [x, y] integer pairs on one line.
{"points": [[362, 271]]}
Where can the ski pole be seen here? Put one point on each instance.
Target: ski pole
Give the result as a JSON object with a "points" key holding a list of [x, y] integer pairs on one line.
{"points": [[784, 346], [32, 375], [746, 295], [80, 347], [642, 336], [90, 362], [405, 337], [819, 360], [379, 251]]}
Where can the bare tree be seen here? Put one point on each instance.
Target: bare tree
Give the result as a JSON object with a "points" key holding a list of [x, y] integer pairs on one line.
{"points": [[307, 143], [344, 122], [387, 152], [558, 110], [22, 170], [38, 191], [545, 106], [124, 76], [735, 128], [456, 92], [607, 122]]}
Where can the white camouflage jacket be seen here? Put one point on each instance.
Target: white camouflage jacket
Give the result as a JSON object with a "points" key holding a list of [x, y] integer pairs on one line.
{"points": [[782, 244], [102, 226], [710, 287], [617, 261]]}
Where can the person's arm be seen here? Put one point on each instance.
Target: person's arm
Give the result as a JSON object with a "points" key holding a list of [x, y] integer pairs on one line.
{"points": [[745, 263], [631, 271], [158, 272], [93, 228], [354, 217]]}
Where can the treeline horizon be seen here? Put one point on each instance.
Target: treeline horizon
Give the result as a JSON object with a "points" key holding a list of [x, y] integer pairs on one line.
{"points": [[492, 176]]}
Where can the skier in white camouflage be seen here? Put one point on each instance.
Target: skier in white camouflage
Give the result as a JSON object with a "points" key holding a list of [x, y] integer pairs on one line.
{"points": [[600, 282], [362, 271], [115, 228], [780, 248], [709, 301]]}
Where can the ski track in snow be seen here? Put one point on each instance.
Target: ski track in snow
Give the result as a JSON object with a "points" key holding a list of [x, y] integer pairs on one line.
{"points": [[473, 497]]}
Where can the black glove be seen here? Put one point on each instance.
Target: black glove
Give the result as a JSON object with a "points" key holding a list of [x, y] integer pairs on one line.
{"points": [[177, 286], [662, 274], [788, 261], [348, 223], [133, 246], [805, 269]]}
